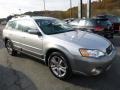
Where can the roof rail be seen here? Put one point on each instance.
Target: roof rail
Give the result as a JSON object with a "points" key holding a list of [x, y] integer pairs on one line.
{"points": [[20, 16]]}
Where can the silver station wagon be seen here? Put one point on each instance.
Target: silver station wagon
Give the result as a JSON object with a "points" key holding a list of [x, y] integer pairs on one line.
{"points": [[63, 49]]}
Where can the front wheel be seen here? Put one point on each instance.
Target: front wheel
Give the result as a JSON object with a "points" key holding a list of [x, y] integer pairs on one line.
{"points": [[59, 66], [10, 49]]}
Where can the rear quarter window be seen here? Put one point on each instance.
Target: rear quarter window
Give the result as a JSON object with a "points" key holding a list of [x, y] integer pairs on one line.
{"points": [[11, 25]]}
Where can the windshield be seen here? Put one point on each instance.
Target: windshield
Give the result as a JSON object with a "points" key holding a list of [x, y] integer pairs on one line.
{"points": [[118, 19], [53, 26], [114, 19]]}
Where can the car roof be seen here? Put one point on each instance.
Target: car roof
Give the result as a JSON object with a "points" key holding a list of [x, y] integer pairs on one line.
{"points": [[30, 17], [41, 17]]}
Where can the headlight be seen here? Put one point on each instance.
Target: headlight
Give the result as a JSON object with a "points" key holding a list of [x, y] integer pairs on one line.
{"points": [[91, 53]]}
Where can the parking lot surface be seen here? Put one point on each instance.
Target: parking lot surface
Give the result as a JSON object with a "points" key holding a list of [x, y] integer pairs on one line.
{"points": [[26, 73]]}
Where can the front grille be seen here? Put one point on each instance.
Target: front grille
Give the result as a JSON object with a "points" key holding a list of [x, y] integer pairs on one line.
{"points": [[109, 49]]}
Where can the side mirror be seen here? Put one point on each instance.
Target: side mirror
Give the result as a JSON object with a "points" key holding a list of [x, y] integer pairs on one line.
{"points": [[36, 32]]}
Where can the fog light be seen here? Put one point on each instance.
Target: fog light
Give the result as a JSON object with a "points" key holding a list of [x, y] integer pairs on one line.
{"points": [[95, 71]]}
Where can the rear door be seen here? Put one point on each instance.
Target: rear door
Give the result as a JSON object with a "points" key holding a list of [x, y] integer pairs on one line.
{"points": [[10, 31]]}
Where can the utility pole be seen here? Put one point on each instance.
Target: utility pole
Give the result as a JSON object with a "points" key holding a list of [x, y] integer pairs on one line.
{"points": [[89, 9], [44, 6], [70, 8], [80, 9]]}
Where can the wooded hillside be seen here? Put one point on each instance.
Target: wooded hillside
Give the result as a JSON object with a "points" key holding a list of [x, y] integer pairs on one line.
{"points": [[98, 7]]}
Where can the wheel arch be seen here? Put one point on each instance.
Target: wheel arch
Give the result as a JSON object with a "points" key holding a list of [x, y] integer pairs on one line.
{"points": [[63, 51], [5, 40]]}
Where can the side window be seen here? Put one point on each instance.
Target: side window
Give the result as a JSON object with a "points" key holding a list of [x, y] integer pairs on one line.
{"points": [[82, 23], [25, 25], [77, 21], [89, 23], [11, 25]]}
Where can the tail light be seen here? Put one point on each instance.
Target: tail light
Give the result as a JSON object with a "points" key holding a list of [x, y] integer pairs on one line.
{"points": [[98, 28]]}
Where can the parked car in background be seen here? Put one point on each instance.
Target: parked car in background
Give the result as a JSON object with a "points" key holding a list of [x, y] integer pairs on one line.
{"points": [[119, 18], [115, 20], [95, 25], [68, 20], [62, 48]]}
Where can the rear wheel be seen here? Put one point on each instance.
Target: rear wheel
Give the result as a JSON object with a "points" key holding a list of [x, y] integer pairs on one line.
{"points": [[59, 66], [10, 48]]}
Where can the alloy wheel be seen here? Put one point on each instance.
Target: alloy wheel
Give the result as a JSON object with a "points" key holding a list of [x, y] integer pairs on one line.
{"points": [[58, 66]]}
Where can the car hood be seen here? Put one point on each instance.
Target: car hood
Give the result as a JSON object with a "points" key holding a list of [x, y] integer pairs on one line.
{"points": [[84, 39]]}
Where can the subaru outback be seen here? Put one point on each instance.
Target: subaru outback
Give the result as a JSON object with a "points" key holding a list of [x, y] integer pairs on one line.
{"points": [[63, 49]]}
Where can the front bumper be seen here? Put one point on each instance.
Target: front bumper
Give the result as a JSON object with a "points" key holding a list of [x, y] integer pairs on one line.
{"points": [[92, 66]]}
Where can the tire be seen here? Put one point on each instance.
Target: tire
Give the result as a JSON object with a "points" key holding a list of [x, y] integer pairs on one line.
{"points": [[10, 48], [59, 66]]}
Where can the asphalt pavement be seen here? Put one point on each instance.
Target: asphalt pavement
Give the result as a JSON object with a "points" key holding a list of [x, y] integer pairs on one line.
{"points": [[26, 73]]}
